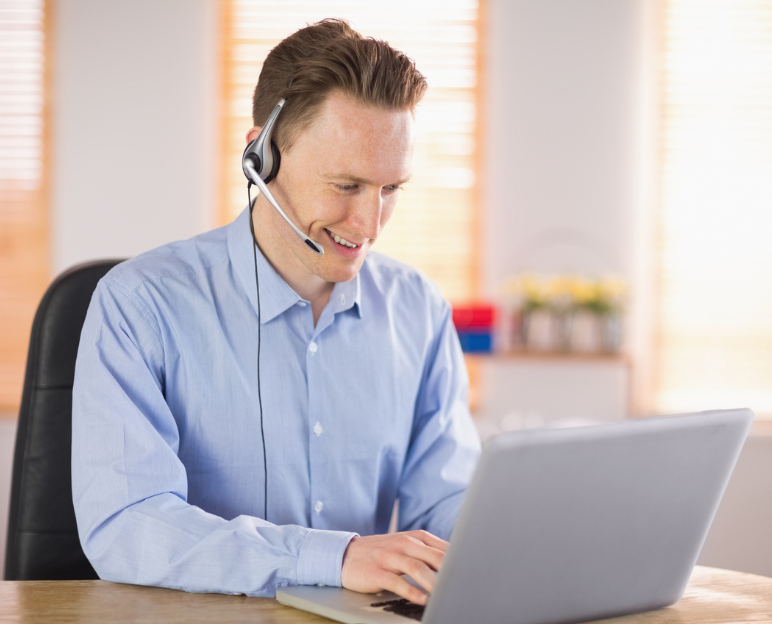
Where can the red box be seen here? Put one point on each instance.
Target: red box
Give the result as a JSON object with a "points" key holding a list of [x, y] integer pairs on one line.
{"points": [[474, 316]]}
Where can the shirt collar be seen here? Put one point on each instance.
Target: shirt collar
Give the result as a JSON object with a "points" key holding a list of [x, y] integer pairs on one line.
{"points": [[276, 296], [347, 295]]}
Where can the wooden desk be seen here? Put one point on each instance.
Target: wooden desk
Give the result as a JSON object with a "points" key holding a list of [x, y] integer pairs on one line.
{"points": [[713, 596]]}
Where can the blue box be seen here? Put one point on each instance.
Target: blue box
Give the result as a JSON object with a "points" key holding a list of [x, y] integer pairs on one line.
{"points": [[480, 341]]}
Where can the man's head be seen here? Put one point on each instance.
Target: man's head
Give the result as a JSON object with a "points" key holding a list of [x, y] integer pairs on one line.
{"points": [[329, 56], [346, 139]]}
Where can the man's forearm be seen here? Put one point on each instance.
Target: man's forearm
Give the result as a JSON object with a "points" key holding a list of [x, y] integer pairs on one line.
{"points": [[163, 541]]}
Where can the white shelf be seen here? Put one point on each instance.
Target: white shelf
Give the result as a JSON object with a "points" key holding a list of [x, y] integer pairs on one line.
{"points": [[543, 388]]}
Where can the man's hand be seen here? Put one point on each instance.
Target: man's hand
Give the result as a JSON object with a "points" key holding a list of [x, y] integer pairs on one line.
{"points": [[378, 562]]}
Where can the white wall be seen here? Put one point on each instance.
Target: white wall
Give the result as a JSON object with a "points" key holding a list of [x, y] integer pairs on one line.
{"points": [[134, 145], [741, 535], [564, 83]]}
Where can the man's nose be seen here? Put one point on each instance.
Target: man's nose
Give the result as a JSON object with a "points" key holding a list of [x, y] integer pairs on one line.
{"points": [[367, 217]]}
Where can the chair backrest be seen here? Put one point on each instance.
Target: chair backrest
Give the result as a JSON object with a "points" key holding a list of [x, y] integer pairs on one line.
{"points": [[43, 539]]}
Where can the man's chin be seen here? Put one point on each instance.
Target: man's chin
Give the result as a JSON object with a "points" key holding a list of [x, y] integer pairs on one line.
{"points": [[340, 273], [341, 276]]}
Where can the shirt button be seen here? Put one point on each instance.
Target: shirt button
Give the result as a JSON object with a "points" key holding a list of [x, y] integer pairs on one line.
{"points": [[313, 347], [343, 298], [318, 429], [318, 506], [302, 304]]}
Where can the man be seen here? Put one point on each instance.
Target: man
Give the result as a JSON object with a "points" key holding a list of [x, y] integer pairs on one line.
{"points": [[228, 443]]}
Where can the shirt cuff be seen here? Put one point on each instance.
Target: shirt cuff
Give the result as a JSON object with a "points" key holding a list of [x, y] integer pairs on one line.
{"points": [[321, 557]]}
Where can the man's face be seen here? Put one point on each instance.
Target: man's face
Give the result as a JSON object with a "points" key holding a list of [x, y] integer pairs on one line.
{"points": [[339, 182]]}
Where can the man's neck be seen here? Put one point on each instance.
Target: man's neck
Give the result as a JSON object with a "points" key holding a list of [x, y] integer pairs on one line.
{"points": [[310, 287]]}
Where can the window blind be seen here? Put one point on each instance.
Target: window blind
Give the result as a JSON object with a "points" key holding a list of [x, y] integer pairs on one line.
{"points": [[714, 345], [24, 257], [435, 225]]}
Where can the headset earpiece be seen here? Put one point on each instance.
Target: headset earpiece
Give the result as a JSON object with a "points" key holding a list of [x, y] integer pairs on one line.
{"points": [[276, 163], [251, 156], [262, 153]]}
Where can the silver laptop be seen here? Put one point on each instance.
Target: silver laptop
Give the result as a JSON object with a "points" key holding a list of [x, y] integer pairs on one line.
{"points": [[570, 525]]}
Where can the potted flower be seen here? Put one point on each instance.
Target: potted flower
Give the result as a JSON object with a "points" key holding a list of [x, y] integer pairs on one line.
{"points": [[601, 302]]}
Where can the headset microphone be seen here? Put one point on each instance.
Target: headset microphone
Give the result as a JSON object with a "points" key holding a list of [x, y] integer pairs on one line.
{"points": [[260, 164]]}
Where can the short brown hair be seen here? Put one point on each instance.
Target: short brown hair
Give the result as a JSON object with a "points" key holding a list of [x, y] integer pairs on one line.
{"points": [[331, 56]]}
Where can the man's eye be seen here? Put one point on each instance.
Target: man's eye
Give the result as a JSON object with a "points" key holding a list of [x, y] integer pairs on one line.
{"points": [[392, 187], [347, 187]]}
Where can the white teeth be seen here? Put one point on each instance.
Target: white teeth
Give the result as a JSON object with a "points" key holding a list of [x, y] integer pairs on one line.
{"points": [[342, 241]]}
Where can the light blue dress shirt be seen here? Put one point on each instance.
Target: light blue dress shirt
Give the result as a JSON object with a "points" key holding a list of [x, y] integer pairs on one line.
{"points": [[366, 407]]}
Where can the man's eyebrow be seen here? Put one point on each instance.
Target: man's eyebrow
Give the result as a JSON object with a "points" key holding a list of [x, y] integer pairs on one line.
{"points": [[346, 177]]}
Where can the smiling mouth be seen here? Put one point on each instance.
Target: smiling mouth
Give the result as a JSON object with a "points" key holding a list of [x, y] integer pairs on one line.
{"points": [[341, 241]]}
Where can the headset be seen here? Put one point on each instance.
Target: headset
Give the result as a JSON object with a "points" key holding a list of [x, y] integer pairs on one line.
{"points": [[260, 164]]}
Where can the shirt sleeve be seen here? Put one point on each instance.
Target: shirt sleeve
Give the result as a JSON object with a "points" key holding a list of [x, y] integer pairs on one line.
{"points": [[444, 445], [130, 487]]}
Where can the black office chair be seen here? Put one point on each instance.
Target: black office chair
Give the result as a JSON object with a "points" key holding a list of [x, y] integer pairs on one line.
{"points": [[43, 539]]}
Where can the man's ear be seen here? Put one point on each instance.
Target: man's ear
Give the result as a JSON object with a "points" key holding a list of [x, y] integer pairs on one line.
{"points": [[252, 134]]}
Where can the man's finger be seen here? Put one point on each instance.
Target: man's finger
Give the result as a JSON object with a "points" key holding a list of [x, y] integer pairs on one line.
{"points": [[398, 585], [431, 556], [430, 540], [418, 571]]}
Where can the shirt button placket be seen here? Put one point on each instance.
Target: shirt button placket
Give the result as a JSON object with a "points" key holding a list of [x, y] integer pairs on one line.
{"points": [[315, 413]]}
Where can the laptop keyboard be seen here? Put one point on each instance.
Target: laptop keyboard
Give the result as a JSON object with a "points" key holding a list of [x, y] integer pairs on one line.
{"points": [[402, 607]]}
